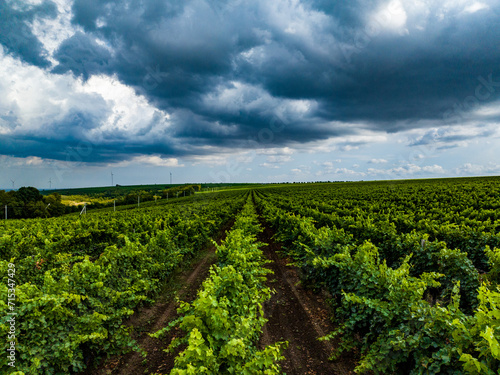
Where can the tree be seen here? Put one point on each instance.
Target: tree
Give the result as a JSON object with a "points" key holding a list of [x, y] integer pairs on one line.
{"points": [[29, 194], [56, 208], [27, 202]]}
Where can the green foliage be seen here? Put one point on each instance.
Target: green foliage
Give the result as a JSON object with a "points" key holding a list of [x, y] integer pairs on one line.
{"points": [[79, 278], [400, 330], [494, 262], [27, 202], [477, 337], [180, 191], [403, 262], [28, 194], [224, 322]]}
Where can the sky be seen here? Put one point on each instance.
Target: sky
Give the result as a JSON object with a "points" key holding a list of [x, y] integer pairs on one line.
{"points": [[247, 91]]}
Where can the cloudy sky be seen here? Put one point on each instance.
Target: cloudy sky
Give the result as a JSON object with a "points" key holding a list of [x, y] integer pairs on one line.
{"points": [[247, 90]]}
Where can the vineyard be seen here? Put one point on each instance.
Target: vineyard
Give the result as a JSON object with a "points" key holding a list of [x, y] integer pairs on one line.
{"points": [[406, 275]]}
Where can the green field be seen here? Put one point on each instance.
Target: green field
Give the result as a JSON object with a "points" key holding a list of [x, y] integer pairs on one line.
{"points": [[411, 270], [120, 190]]}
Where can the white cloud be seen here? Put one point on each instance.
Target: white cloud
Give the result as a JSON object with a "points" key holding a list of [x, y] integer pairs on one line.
{"points": [[401, 16], [210, 160], [151, 160], [37, 99], [349, 172], [34, 160], [330, 164], [269, 165], [470, 169], [52, 32], [31, 161], [131, 114], [328, 167], [451, 136], [339, 172], [298, 21], [219, 156], [234, 97], [437, 169], [157, 161], [488, 110], [38, 102], [275, 151], [475, 7], [278, 159], [373, 137], [377, 161], [390, 16], [406, 170]]}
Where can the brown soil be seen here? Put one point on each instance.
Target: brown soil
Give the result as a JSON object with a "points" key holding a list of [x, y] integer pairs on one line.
{"points": [[299, 316], [149, 319]]}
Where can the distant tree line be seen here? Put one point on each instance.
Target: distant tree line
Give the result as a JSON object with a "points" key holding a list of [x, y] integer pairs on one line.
{"points": [[145, 196], [180, 191], [27, 203], [148, 196]]}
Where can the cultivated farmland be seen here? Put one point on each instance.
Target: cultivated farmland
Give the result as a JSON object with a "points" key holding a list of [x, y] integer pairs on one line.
{"points": [[329, 278]]}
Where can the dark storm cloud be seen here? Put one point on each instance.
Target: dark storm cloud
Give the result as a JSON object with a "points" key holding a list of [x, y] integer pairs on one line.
{"points": [[81, 150], [349, 14], [393, 81], [379, 77], [160, 35], [16, 34], [83, 56], [407, 79], [247, 130], [58, 140], [353, 66]]}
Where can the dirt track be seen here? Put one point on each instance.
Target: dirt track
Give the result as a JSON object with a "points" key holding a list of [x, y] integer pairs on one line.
{"points": [[300, 317], [150, 319]]}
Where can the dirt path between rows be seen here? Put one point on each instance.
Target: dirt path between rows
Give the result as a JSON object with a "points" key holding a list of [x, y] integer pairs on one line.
{"points": [[298, 316], [150, 319]]}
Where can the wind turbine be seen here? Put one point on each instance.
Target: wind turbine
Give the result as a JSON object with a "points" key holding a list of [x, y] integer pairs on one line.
{"points": [[50, 183], [13, 181], [112, 178]]}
